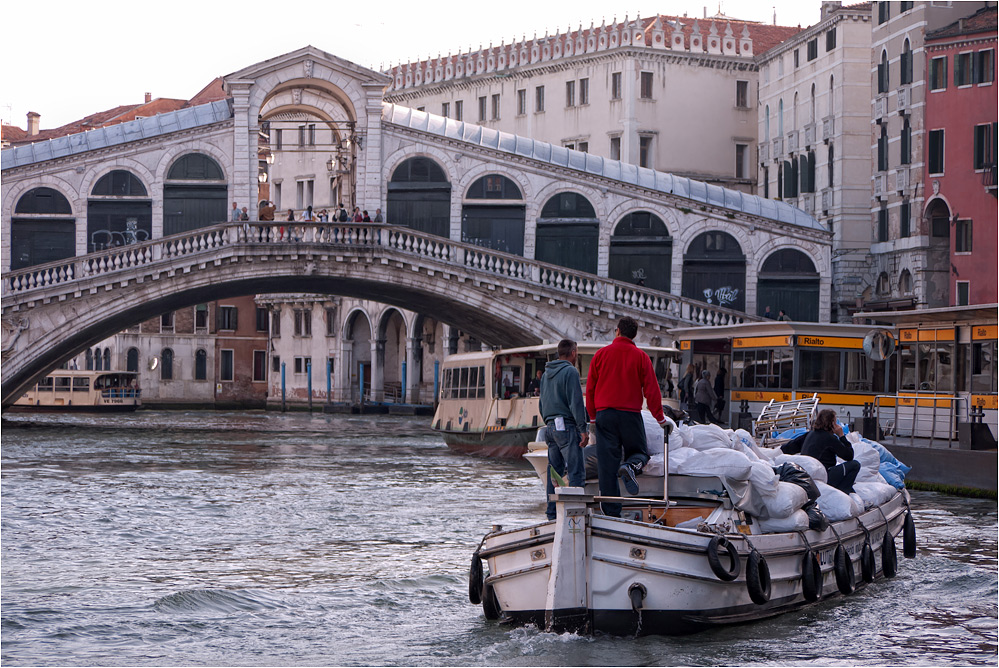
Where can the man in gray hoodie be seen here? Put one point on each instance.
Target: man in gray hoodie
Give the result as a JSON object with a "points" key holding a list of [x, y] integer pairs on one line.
{"points": [[562, 408]]}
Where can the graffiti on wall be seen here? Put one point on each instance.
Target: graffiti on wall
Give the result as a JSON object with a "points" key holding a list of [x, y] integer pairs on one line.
{"points": [[722, 296]]}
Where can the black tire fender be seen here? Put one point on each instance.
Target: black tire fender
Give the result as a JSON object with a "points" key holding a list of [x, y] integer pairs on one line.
{"points": [[889, 557], [475, 580], [909, 537], [843, 567], [490, 604], [758, 578], [714, 560], [811, 577], [867, 564]]}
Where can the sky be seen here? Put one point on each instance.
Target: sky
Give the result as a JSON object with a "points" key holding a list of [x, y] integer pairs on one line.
{"points": [[70, 60]]}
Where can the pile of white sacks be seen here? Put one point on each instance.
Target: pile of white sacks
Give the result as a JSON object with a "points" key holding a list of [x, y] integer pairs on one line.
{"points": [[748, 473]]}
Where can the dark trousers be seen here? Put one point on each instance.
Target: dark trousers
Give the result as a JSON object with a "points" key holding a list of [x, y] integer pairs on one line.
{"points": [[620, 437], [842, 476]]}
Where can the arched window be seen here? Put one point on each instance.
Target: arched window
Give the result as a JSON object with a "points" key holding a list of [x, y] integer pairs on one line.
{"points": [[90, 360], [493, 214], [788, 281], [419, 197], [200, 200], [811, 106], [905, 282], [883, 149], [166, 364], [714, 270], [119, 183], [766, 123], [905, 64], [794, 113], [42, 229], [132, 359], [905, 145], [567, 233], [98, 360], [832, 93], [201, 365], [883, 286], [883, 73], [107, 359], [119, 212], [830, 165], [780, 117], [641, 251]]}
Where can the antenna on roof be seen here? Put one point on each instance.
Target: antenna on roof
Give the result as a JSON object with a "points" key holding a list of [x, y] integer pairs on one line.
{"points": [[775, 16]]}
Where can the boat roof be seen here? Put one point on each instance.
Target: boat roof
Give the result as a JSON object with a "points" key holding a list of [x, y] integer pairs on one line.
{"points": [[770, 328], [590, 163], [88, 372], [584, 347], [983, 314]]}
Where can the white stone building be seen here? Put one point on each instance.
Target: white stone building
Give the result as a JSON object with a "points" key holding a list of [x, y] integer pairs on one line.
{"points": [[814, 140], [674, 94]]}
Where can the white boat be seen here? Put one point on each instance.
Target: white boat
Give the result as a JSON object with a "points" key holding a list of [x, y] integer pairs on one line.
{"points": [[677, 562], [75, 390], [486, 405]]}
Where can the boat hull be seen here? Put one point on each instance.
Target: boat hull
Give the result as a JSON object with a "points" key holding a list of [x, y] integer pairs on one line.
{"points": [[680, 592], [506, 443]]}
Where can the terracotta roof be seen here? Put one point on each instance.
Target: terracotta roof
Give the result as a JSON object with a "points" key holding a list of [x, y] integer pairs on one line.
{"points": [[984, 20], [122, 114], [213, 92]]}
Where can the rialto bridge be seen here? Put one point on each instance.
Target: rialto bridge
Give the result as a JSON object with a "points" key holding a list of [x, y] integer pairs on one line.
{"points": [[508, 238]]}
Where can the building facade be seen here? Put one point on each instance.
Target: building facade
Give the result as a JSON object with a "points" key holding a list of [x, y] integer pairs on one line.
{"points": [[910, 253], [674, 94], [960, 176], [813, 149]]}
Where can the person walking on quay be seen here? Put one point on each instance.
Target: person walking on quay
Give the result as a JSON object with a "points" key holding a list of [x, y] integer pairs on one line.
{"points": [[720, 393], [620, 376], [561, 407], [686, 388], [705, 398]]}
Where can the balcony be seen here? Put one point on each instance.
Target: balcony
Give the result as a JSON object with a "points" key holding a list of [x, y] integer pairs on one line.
{"points": [[764, 150], [792, 141], [827, 199], [904, 99], [807, 203], [902, 179], [778, 144], [828, 128], [880, 185], [810, 134], [880, 107]]}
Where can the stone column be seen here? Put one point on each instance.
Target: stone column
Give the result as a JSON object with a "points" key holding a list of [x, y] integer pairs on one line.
{"points": [[378, 370], [344, 381], [368, 193], [414, 369], [244, 176]]}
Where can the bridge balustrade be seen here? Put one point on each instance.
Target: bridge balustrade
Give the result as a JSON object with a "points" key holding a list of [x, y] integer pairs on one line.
{"points": [[19, 285]]}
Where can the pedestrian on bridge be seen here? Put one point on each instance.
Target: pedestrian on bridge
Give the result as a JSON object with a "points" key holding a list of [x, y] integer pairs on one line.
{"points": [[236, 214]]}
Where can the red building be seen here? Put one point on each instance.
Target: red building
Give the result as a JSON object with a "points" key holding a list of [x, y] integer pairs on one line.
{"points": [[959, 140]]}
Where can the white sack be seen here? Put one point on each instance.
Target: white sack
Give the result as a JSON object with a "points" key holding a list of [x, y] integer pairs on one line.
{"points": [[708, 436], [811, 465], [680, 438], [716, 461], [743, 440], [654, 434], [858, 501], [788, 499], [874, 493], [870, 461], [655, 466], [678, 457], [836, 505], [798, 520], [763, 479]]}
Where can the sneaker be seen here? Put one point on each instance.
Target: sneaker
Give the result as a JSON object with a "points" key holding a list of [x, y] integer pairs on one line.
{"points": [[627, 475]]}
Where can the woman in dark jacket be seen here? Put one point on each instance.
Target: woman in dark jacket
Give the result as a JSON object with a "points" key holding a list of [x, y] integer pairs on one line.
{"points": [[825, 442]]}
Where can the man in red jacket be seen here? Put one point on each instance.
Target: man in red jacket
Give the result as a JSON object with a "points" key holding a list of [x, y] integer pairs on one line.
{"points": [[620, 377]]}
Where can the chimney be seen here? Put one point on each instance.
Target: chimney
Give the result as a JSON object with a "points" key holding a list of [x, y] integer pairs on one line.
{"points": [[33, 123], [149, 98]]}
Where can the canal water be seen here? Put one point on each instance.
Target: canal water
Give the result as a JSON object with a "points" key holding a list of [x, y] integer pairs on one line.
{"points": [[201, 538]]}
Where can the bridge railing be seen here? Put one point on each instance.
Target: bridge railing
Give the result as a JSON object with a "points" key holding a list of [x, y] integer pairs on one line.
{"points": [[20, 284]]}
